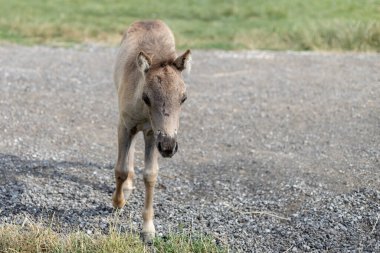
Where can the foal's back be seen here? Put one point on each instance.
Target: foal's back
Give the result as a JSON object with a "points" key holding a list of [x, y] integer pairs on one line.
{"points": [[152, 37]]}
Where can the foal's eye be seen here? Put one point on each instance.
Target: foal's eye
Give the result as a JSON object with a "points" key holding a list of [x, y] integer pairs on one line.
{"points": [[145, 98], [183, 99]]}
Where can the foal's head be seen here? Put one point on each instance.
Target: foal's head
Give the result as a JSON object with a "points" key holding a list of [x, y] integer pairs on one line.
{"points": [[164, 92]]}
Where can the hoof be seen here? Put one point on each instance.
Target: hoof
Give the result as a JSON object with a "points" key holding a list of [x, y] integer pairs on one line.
{"points": [[118, 202], [147, 237]]}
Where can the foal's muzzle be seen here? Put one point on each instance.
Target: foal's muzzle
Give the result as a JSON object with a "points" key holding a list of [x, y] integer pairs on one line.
{"points": [[167, 146]]}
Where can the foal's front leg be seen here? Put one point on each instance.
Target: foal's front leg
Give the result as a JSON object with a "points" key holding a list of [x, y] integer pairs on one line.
{"points": [[124, 175], [150, 178]]}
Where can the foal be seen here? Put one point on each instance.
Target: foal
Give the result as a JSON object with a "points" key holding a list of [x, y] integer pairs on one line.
{"points": [[151, 91]]}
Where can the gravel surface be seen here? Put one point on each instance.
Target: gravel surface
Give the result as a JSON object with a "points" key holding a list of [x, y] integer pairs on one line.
{"points": [[278, 151]]}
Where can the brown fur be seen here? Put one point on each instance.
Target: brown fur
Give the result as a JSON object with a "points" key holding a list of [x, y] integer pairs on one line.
{"points": [[150, 93]]}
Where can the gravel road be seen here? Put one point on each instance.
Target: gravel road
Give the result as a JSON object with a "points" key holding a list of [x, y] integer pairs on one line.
{"points": [[278, 151]]}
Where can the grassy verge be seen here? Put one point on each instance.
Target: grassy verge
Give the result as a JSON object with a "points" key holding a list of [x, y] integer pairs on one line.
{"points": [[238, 24], [34, 239]]}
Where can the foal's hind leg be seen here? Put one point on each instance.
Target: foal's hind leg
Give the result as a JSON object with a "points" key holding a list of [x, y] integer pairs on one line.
{"points": [[124, 175], [150, 178], [128, 184]]}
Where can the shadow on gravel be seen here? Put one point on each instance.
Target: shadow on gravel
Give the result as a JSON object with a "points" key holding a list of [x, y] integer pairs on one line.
{"points": [[12, 166], [64, 190]]}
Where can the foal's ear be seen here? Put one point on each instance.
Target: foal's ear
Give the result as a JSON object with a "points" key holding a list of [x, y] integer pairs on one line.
{"points": [[143, 62], [184, 61]]}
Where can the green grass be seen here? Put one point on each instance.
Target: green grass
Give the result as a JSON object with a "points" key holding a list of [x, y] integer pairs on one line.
{"points": [[236, 24], [34, 238]]}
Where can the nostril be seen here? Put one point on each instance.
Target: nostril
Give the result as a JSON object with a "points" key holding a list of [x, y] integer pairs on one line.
{"points": [[159, 147]]}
